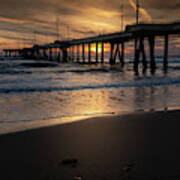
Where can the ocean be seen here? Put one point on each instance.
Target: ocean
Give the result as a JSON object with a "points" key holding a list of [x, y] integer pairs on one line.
{"points": [[38, 93]]}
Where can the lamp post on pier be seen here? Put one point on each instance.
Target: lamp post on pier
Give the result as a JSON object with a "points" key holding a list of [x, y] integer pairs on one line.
{"points": [[137, 11], [122, 17]]}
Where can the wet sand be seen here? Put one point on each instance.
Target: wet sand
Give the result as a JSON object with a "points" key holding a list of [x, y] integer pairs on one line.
{"points": [[136, 146]]}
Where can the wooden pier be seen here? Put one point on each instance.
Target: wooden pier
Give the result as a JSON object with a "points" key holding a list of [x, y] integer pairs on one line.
{"points": [[74, 50]]}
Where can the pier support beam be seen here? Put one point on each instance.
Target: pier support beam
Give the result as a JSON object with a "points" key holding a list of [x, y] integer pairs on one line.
{"points": [[118, 52], [57, 58], [152, 59], [38, 56], [32, 54], [44, 54], [50, 54], [136, 55], [89, 53], [72, 53], [97, 53], [102, 52], [83, 53], [112, 60], [65, 55], [78, 53], [165, 64], [59, 55], [142, 50], [121, 55], [139, 51]]}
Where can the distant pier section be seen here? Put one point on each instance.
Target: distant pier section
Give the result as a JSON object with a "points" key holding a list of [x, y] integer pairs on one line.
{"points": [[74, 50]]}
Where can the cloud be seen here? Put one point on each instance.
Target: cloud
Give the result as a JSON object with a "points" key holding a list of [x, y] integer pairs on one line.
{"points": [[142, 11], [77, 18]]}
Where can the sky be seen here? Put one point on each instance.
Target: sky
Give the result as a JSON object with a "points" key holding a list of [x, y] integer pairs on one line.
{"points": [[25, 22]]}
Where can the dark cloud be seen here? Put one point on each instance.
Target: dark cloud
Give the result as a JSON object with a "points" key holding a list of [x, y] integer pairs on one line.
{"points": [[163, 5], [16, 38]]}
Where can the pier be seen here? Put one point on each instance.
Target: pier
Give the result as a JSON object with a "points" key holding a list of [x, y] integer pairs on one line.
{"points": [[74, 50]]}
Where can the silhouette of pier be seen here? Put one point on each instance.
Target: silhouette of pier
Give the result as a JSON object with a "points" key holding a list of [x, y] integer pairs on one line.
{"points": [[74, 50]]}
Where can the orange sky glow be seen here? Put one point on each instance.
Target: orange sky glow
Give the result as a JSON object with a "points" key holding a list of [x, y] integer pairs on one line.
{"points": [[39, 21]]}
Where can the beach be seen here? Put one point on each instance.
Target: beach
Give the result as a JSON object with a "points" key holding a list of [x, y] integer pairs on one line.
{"points": [[142, 145], [89, 90], [88, 122]]}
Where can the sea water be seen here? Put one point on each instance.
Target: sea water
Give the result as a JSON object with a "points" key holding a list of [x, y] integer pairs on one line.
{"points": [[37, 93]]}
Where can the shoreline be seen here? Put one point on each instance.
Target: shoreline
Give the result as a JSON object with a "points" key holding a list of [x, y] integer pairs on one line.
{"points": [[134, 146], [28, 125]]}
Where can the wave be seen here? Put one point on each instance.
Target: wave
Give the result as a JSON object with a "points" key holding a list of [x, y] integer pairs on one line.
{"points": [[58, 117], [77, 71], [145, 83], [14, 72]]}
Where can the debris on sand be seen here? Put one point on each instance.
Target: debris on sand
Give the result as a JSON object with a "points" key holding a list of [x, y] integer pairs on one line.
{"points": [[69, 162], [78, 178]]}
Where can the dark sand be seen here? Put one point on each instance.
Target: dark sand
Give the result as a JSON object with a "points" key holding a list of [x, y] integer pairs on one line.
{"points": [[137, 146]]}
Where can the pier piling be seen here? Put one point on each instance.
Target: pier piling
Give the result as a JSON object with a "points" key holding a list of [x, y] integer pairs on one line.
{"points": [[102, 52], [65, 55], [121, 56], [165, 64], [97, 52], [59, 55], [83, 52], [44, 53], [89, 53], [78, 53], [136, 55], [144, 62], [72, 54], [50, 54], [152, 59], [111, 54]]}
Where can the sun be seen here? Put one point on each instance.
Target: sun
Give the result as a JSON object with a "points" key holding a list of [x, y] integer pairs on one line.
{"points": [[93, 48]]}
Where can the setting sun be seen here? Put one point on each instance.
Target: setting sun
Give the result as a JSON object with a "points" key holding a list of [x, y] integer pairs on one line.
{"points": [[93, 48]]}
